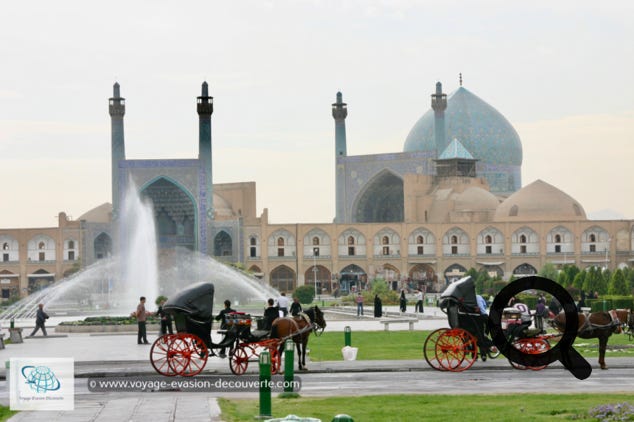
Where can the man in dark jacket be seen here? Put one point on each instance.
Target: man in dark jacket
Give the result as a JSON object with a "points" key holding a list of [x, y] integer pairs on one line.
{"points": [[270, 314], [222, 317], [40, 319], [296, 307]]}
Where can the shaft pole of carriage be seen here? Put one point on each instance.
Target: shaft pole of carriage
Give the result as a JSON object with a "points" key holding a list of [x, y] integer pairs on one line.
{"points": [[265, 385]]}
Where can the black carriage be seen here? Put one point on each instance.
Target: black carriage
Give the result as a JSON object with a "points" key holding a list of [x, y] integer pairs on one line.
{"points": [[458, 347], [186, 352]]}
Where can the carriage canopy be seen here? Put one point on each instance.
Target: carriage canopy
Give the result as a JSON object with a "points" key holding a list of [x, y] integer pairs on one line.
{"points": [[461, 291], [196, 302]]}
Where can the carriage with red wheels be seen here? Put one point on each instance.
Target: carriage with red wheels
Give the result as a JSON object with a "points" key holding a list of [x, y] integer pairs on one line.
{"points": [[186, 352], [458, 347]]}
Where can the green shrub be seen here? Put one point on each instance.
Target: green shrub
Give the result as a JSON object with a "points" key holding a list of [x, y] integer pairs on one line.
{"points": [[305, 294]]}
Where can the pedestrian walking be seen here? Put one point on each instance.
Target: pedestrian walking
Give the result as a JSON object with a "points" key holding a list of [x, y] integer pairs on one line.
{"points": [[141, 318], [282, 304], [402, 302], [40, 320], [359, 301]]}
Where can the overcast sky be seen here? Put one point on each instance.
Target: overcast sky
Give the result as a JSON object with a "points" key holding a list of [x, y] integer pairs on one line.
{"points": [[561, 72]]}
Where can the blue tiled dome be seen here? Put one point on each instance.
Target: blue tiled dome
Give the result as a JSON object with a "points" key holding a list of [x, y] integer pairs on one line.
{"points": [[484, 132]]}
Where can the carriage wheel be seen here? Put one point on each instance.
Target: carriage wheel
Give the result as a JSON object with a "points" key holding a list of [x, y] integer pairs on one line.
{"points": [[429, 349], [239, 360], [160, 356], [275, 359], [530, 346], [188, 354], [456, 350]]}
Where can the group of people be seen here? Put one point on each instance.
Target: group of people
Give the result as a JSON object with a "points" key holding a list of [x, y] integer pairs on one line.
{"points": [[273, 311]]}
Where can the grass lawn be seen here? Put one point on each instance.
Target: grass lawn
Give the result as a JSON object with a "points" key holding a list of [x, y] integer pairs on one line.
{"points": [[499, 408], [5, 413], [379, 345]]}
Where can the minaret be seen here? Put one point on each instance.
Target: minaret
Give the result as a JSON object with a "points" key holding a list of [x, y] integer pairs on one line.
{"points": [[117, 111], [439, 104], [340, 112], [205, 108]]}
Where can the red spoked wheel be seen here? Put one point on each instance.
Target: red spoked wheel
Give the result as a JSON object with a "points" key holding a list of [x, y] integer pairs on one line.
{"points": [[160, 355], [530, 346], [429, 349], [275, 359], [456, 350], [239, 360], [188, 354]]}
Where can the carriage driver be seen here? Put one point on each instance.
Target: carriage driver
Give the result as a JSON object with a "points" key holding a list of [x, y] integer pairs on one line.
{"points": [[222, 317]]}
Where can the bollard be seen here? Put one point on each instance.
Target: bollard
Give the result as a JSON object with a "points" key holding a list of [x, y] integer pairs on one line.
{"points": [[342, 417], [289, 360], [347, 335], [265, 385]]}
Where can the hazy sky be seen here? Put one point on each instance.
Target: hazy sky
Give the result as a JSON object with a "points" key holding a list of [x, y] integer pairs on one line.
{"points": [[562, 72]]}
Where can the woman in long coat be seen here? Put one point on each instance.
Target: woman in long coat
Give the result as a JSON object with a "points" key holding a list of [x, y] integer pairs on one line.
{"points": [[378, 307], [403, 301]]}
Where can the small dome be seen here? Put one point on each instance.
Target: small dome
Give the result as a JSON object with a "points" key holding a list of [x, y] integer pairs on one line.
{"points": [[221, 207], [540, 201], [476, 199], [100, 214]]}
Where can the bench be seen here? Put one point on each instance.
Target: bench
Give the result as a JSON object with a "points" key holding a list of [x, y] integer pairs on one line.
{"points": [[387, 322]]}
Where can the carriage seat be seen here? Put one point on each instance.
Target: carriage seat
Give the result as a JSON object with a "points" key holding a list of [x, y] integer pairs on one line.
{"points": [[258, 335]]}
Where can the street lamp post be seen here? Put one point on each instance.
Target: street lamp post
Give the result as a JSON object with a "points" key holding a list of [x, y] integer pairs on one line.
{"points": [[315, 270], [607, 248]]}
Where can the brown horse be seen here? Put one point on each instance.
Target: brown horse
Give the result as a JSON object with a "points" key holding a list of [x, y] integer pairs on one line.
{"points": [[299, 328], [599, 325]]}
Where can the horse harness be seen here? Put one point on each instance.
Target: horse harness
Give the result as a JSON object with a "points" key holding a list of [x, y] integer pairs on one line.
{"points": [[588, 327], [310, 326]]}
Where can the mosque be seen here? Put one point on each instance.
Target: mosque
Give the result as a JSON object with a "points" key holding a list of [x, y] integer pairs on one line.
{"points": [[451, 200]]}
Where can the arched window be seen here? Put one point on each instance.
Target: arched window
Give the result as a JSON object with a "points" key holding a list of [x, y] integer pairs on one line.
{"points": [[253, 241], [488, 239], [350, 240], [523, 238], [593, 237], [454, 239], [420, 239], [5, 246], [557, 238], [385, 240], [41, 245], [280, 246], [71, 244], [315, 241]]}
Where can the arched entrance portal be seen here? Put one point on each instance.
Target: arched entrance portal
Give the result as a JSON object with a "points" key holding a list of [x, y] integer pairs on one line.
{"points": [[102, 246], [174, 213], [320, 274], [352, 278], [382, 200], [524, 270], [223, 245], [454, 272], [283, 279], [424, 277]]}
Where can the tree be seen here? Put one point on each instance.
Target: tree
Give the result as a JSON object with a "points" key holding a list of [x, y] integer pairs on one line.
{"points": [[562, 279], [577, 282], [593, 281], [618, 284], [305, 294], [549, 271]]}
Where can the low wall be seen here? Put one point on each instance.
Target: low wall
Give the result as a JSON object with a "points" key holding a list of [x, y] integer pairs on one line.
{"points": [[131, 328]]}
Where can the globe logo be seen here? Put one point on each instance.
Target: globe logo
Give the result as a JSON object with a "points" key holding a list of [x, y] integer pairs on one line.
{"points": [[40, 378]]}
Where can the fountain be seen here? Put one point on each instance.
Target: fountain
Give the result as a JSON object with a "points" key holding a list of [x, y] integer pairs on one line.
{"points": [[113, 286]]}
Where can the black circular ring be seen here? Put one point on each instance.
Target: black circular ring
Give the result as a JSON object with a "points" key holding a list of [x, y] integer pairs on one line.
{"points": [[563, 350]]}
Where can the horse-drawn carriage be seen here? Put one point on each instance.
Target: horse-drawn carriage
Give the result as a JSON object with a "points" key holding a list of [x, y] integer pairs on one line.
{"points": [[457, 348], [186, 352]]}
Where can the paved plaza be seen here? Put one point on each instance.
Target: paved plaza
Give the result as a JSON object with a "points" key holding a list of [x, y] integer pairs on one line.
{"points": [[99, 355]]}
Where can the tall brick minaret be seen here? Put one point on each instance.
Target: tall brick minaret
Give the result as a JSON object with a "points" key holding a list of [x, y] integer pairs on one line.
{"points": [[117, 111], [340, 112]]}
